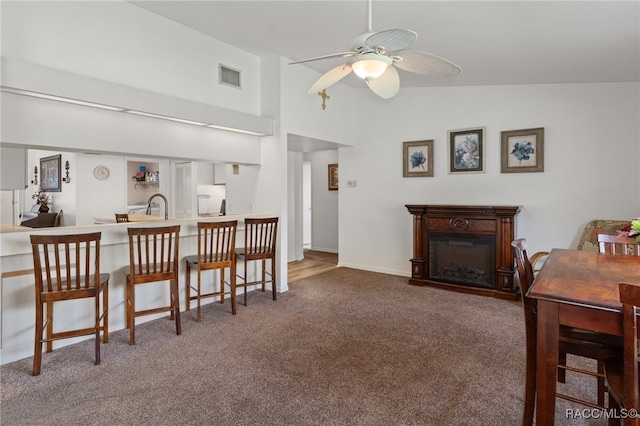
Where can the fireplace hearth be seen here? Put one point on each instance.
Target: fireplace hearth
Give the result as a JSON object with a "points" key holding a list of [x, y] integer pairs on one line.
{"points": [[464, 248]]}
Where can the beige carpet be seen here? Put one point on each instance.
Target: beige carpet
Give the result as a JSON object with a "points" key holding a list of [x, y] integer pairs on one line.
{"points": [[344, 347]]}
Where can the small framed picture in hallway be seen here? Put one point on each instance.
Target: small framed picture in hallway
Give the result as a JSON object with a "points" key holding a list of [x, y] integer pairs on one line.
{"points": [[333, 177]]}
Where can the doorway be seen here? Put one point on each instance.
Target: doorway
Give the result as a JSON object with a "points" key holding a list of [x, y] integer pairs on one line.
{"points": [[312, 208], [306, 205]]}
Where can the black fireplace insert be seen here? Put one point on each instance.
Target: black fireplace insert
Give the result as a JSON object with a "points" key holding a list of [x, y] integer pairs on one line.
{"points": [[463, 259]]}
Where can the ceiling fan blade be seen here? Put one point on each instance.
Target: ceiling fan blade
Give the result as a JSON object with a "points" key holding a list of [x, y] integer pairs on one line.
{"points": [[391, 39], [317, 58], [425, 63], [387, 85], [331, 77]]}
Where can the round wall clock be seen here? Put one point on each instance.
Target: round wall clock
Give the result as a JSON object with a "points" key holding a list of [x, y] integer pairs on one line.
{"points": [[101, 172]]}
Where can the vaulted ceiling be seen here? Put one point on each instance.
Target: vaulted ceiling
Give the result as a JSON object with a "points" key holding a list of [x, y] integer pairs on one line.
{"points": [[504, 42]]}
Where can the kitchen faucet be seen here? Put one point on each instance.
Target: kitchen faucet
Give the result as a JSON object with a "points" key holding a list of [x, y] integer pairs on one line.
{"points": [[166, 205]]}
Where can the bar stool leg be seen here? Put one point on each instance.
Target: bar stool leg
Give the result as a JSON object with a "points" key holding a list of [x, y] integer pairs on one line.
{"points": [[245, 282], [198, 317], [105, 314], [37, 351], [132, 314], [233, 290], [175, 300], [97, 326], [222, 285], [187, 280], [273, 278], [49, 326]]}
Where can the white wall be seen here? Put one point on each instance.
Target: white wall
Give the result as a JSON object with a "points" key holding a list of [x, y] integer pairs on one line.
{"points": [[302, 114], [294, 206], [119, 42], [591, 171], [95, 197], [324, 203]]}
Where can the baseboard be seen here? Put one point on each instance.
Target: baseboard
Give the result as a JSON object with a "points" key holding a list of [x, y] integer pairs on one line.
{"points": [[372, 269], [326, 250]]}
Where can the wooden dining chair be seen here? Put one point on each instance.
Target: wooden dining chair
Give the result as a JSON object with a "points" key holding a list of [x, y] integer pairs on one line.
{"points": [[216, 251], [153, 257], [259, 246], [58, 220], [618, 245], [573, 341], [622, 373], [122, 217], [67, 267]]}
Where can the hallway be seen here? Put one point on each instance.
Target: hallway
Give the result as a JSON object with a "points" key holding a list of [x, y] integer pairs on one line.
{"points": [[314, 262]]}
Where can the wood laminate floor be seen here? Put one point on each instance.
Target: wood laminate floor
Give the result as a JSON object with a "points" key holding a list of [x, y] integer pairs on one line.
{"points": [[314, 262]]}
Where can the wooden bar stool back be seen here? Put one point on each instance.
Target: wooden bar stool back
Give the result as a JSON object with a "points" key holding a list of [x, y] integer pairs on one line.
{"points": [[216, 251], [259, 246], [122, 217], [67, 267], [153, 257]]}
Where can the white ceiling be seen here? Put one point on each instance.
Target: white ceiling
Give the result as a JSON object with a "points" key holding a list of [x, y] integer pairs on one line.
{"points": [[508, 42]]}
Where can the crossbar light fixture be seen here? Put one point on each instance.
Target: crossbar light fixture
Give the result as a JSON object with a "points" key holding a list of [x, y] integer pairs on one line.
{"points": [[129, 111], [58, 98], [164, 117]]}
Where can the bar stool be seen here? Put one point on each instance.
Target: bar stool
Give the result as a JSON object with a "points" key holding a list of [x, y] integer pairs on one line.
{"points": [[216, 251], [67, 267], [153, 257], [122, 217], [259, 245]]}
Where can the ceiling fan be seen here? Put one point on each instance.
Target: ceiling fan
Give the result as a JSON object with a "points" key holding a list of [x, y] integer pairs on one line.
{"points": [[374, 57]]}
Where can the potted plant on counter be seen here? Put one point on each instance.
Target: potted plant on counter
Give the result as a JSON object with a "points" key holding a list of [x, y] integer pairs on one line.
{"points": [[42, 198]]}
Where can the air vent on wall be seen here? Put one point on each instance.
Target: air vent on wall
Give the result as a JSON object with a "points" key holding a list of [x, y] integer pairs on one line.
{"points": [[229, 76]]}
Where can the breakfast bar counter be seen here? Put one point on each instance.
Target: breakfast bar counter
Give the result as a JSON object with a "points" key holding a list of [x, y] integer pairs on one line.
{"points": [[132, 218], [17, 300]]}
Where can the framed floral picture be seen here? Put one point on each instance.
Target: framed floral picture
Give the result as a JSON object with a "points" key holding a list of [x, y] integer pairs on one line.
{"points": [[466, 150], [523, 151], [417, 159]]}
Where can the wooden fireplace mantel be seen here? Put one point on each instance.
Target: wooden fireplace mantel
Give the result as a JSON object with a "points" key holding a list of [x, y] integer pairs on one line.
{"points": [[497, 221]]}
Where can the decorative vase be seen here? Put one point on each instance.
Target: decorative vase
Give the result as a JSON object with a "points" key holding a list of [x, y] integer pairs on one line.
{"points": [[44, 208]]}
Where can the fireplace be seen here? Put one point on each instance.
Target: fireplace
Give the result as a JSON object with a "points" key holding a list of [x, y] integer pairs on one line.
{"points": [[464, 248], [462, 259]]}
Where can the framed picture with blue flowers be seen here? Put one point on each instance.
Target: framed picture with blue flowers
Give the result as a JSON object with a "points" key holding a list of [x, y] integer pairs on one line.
{"points": [[466, 150], [523, 151], [417, 159]]}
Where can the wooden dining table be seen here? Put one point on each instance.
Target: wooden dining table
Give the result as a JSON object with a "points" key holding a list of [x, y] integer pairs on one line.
{"points": [[579, 289]]}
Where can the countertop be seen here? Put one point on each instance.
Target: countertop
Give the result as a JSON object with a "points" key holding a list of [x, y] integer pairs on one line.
{"points": [[132, 218]]}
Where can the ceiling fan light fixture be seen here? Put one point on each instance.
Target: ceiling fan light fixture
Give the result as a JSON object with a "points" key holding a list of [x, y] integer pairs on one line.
{"points": [[371, 65]]}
